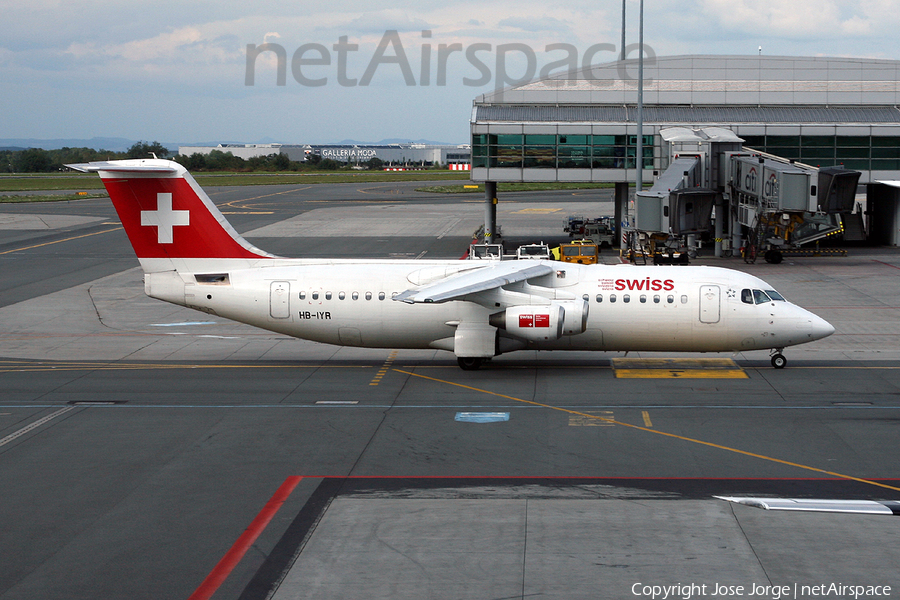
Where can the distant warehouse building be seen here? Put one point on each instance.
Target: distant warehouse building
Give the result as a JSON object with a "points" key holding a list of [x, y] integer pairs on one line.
{"points": [[390, 154]]}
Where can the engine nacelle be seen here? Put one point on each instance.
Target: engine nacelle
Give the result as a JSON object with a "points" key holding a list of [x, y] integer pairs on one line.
{"points": [[543, 322]]}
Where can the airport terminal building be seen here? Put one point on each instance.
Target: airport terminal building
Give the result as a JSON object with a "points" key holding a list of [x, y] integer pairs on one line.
{"points": [[583, 127]]}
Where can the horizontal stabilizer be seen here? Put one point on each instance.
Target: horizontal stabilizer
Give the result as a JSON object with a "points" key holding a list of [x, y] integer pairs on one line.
{"points": [[863, 507], [123, 167]]}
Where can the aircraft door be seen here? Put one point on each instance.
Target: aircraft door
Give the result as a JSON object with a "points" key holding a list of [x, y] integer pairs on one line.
{"points": [[279, 300], [709, 304]]}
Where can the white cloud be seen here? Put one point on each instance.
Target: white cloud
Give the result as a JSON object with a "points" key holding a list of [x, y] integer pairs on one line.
{"points": [[802, 19], [105, 60]]}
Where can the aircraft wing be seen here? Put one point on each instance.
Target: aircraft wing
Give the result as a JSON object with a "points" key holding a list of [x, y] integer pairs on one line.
{"points": [[473, 281], [864, 507]]}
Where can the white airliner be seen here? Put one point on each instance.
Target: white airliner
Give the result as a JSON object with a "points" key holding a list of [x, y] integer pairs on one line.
{"points": [[191, 256]]}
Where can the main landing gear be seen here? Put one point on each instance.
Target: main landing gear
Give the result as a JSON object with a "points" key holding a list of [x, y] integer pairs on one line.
{"points": [[778, 359], [469, 363]]}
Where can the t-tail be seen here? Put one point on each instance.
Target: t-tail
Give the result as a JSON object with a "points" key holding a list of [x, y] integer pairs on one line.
{"points": [[171, 222]]}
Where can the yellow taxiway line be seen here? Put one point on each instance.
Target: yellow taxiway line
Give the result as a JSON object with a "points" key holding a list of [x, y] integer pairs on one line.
{"points": [[657, 432]]}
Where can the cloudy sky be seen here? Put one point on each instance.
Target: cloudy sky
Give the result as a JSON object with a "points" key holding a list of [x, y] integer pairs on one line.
{"points": [[177, 71]]}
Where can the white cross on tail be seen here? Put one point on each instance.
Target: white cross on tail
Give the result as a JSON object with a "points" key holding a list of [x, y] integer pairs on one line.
{"points": [[164, 218]]}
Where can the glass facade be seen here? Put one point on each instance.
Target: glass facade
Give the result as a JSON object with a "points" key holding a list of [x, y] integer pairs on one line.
{"points": [[563, 151], [863, 153]]}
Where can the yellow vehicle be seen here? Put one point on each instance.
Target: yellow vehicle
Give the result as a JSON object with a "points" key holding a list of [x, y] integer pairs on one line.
{"points": [[583, 252]]}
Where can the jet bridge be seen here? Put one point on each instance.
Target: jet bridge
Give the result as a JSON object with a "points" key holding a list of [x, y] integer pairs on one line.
{"points": [[679, 206], [746, 199], [783, 204]]}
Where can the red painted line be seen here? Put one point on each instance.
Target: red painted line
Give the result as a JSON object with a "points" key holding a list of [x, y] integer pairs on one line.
{"points": [[886, 264], [585, 477], [231, 559]]}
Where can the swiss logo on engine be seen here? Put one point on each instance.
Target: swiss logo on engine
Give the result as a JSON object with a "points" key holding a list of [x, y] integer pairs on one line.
{"points": [[534, 320]]}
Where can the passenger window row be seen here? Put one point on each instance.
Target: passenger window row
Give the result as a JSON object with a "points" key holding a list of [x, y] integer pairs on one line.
{"points": [[643, 298], [342, 295]]}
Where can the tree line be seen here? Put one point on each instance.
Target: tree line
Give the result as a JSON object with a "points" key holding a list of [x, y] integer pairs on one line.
{"points": [[37, 160]]}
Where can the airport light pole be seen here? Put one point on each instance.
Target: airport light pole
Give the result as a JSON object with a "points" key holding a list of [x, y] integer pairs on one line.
{"points": [[639, 150]]}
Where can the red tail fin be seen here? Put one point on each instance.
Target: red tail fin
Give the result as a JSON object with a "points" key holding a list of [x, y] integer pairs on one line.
{"points": [[166, 214]]}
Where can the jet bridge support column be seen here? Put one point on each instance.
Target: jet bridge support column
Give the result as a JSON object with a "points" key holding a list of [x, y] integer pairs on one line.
{"points": [[621, 204], [720, 223], [490, 212]]}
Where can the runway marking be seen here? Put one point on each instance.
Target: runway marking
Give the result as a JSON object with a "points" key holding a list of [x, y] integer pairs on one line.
{"points": [[17, 434], [535, 211], [886, 264], [481, 417], [646, 416], [244, 206], [384, 368], [678, 374], [677, 368], [24, 367], [592, 420], [657, 432], [10, 366], [77, 237], [237, 551]]}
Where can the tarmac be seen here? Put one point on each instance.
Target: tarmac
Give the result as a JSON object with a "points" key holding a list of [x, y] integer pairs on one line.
{"points": [[150, 451]]}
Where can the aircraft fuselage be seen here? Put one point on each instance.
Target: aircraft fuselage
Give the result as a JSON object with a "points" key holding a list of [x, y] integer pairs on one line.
{"points": [[651, 308]]}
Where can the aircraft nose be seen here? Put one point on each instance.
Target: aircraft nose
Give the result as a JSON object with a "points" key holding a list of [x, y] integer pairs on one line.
{"points": [[820, 327]]}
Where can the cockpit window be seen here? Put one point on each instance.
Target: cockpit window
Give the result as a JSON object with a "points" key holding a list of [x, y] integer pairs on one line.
{"points": [[760, 297], [775, 295], [746, 296]]}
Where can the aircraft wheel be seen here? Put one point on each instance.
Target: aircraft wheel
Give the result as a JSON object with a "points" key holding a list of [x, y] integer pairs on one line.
{"points": [[469, 363], [779, 361]]}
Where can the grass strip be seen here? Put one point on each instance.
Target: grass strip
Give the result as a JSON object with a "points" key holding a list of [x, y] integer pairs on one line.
{"points": [[51, 197], [516, 187], [90, 181]]}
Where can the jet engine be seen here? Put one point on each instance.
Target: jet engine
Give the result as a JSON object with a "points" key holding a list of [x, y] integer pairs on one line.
{"points": [[543, 322]]}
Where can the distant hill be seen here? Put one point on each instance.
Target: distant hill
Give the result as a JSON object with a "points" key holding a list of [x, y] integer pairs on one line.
{"points": [[97, 143], [393, 141], [115, 144]]}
